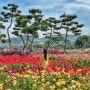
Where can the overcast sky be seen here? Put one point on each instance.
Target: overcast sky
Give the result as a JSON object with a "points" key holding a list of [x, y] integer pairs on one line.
{"points": [[55, 8]]}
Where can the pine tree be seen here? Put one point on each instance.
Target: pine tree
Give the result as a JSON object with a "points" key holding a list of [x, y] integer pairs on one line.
{"points": [[50, 27], [69, 25], [9, 15]]}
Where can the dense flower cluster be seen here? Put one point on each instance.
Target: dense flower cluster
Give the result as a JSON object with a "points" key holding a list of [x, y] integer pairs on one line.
{"points": [[54, 78], [54, 51], [70, 60], [13, 52], [18, 59], [63, 72]]}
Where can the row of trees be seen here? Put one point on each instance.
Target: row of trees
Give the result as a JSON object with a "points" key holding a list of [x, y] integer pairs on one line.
{"points": [[80, 42], [83, 41], [30, 24]]}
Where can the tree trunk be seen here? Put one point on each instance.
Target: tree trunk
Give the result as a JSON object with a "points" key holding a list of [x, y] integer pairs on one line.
{"points": [[23, 42], [27, 41], [9, 40], [65, 41], [30, 49], [31, 44], [50, 38]]}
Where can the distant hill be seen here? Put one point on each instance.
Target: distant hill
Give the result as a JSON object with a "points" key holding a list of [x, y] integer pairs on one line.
{"points": [[17, 42], [72, 38]]}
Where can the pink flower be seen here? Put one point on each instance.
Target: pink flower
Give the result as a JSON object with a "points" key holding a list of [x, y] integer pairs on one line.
{"points": [[13, 71]]}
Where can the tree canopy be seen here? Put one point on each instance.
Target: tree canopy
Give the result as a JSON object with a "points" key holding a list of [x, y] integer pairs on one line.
{"points": [[29, 24]]}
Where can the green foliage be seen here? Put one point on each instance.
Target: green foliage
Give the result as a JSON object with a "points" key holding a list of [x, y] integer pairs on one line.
{"points": [[10, 12], [1, 24], [69, 25], [28, 25], [50, 25], [82, 41], [71, 46], [39, 45], [2, 36]]}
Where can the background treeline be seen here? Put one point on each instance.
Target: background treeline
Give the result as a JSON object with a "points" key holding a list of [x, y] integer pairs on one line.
{"points": [[28, 25]]}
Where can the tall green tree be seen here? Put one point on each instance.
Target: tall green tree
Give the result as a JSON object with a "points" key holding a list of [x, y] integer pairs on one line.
{"points": [[10, 12], [20, 29], [82, 41], [69, 25], [2, 36], [1, 24], [50, 27], [57, 39], [35, 15], [28, 25]]}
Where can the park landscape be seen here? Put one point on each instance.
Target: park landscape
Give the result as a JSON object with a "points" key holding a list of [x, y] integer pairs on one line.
{"points": [[64, 66]]}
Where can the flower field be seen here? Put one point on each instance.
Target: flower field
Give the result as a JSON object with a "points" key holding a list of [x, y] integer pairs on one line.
{"points": [[63, 72]]}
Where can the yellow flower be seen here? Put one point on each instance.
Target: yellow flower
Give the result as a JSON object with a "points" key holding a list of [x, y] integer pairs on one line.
{"points": [[73, 86], [43, 80], [1, 86], [14, 78], [18, 75], [43, 84], [42, 88], [33, 77], [21, 76], [8, 89], [65, 89], [34, 85], [58, 83], [48, 83], [54, 79], [52, 87], [35, 80], [1, 68], [78, 84], [73, 81], [69, 76], [14, 82], [26, 76], [63, 82]]}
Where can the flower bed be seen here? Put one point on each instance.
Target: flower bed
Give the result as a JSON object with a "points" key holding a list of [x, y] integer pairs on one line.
{"points": [[26, 73], [70, 60]]}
